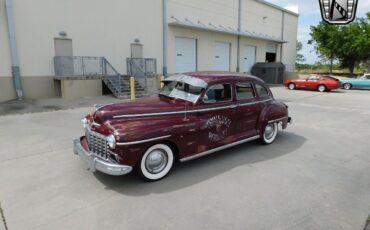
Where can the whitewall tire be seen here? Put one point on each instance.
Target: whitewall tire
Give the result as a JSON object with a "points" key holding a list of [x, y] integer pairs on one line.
{"points": [[156, 162], [270, 133]]}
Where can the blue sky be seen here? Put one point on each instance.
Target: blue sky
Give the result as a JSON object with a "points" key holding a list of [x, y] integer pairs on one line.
{"points": [[309, 14]]}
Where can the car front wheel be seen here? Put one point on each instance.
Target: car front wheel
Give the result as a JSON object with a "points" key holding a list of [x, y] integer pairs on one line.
{"points": [[156, 162], [291, 86], [321, 88], [269, 134], [347, 86]]}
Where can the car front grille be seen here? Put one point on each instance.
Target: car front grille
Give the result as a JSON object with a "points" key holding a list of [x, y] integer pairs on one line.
{"points": [[97, 144]]}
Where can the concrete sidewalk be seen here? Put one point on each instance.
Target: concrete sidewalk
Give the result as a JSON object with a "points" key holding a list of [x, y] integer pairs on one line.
{"points": [[52, 104]]}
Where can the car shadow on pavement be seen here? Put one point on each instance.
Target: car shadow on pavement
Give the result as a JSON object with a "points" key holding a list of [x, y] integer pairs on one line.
{"points": [[337, 91], [199, 170]]}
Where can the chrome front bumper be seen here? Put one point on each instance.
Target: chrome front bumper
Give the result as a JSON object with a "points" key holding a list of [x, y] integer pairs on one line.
{"points": [[95, 163]]}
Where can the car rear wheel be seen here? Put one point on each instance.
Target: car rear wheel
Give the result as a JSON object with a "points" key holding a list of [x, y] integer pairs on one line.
{"points": [[269, 134], [321, 88], [291, 86], [347, 86], [156, 162]]}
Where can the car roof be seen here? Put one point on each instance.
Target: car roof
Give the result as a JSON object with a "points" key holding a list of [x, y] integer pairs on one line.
{"points": [[216, 76]]}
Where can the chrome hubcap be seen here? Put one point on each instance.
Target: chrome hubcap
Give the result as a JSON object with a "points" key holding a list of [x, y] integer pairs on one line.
{"points": [[269, 131], [321, 88], [347, 86], [156, 161], [291, 86]]}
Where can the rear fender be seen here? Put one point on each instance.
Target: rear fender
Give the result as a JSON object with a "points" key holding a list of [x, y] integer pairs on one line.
{"points": [[274, 111]]}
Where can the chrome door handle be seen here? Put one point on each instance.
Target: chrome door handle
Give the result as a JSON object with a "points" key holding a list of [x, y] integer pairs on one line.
{"points": [[234, 106]]}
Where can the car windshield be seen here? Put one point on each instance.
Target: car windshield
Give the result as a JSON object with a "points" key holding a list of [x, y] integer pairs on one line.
{"points": [[181, 90]]}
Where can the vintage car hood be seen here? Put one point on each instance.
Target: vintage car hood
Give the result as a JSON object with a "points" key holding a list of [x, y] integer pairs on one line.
{"points": [[140, 106]]}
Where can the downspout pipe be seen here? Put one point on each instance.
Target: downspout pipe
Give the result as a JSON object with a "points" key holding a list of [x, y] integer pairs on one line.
{"points": [[282, 35], [13, 49], [165, 35], [238, 40]]}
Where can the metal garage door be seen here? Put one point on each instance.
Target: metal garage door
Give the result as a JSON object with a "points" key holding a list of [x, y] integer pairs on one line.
{"points": [[249, 58], [186, 55], [222, 56]]}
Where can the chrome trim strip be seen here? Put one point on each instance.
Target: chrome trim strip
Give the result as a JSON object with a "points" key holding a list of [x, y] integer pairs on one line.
{"points": [[142, 141], [96, 124], [189, 111], [171, 113], [219, 148], [254, 102], [276, 120]]}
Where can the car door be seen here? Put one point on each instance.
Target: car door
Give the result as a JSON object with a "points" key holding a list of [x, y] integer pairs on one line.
{"points": [[216, 117], [247, 111], [364, 81], [367, 81], [312, 82]]}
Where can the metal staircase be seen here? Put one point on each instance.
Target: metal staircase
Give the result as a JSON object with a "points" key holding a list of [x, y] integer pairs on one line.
{"points": [[141, 69], [84, 67], [118, 84]]}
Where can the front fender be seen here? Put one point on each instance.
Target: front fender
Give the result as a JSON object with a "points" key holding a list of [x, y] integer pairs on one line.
{"points": [[135, 136]]}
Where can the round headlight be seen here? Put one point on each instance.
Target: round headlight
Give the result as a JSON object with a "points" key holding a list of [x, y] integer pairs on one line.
{"points": [[84, 122], [111, 141]]}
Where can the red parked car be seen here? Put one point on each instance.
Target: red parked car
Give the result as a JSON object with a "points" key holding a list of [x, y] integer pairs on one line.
{"points": [[195, 114], [314, 82]]}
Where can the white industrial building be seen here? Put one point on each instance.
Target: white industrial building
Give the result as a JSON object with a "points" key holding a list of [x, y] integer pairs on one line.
{"points": [[182, 35]]}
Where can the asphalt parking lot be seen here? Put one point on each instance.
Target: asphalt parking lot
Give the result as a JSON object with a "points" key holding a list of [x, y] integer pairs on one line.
{"points": [[315, 176]]}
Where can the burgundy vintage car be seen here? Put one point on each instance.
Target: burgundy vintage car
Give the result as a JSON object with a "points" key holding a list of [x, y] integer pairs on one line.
{"points": [[195, 114]]}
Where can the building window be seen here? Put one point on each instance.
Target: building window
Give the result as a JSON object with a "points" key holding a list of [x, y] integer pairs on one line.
{"points": [[271, 52], [270, 57]]}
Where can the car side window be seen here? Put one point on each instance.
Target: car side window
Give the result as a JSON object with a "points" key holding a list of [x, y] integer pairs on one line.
{"points": [[312, 78], [367, 77], [218, 93], [244, 90], [261, 90]]}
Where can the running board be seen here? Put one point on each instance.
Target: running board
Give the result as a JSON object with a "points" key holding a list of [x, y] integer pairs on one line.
{"points": [[219, 148]]}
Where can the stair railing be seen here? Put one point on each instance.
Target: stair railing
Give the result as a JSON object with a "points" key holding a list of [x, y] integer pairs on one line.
{"points": [[141, 68], [112, 77]]}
